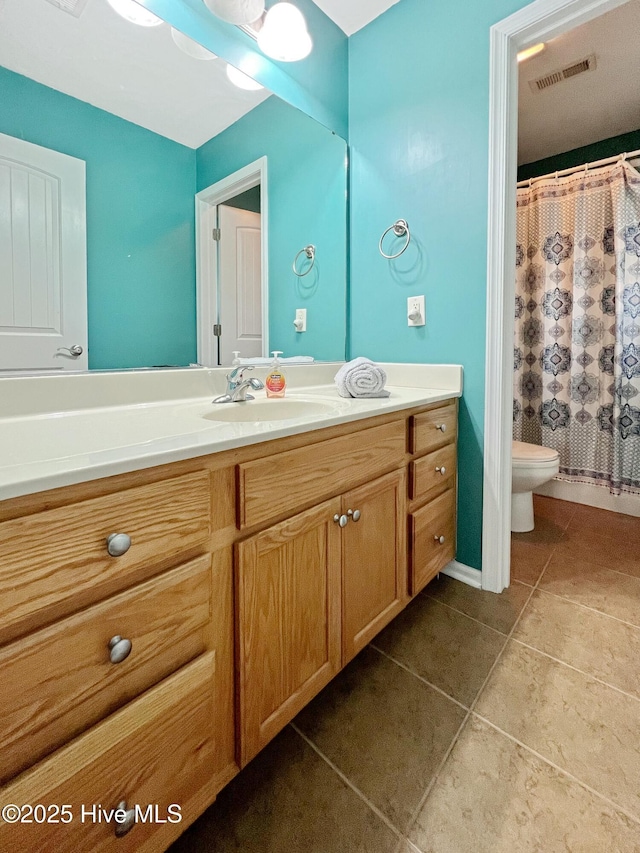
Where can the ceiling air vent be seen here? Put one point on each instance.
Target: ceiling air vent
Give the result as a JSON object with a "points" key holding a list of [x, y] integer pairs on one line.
{"points": [[565, 73], [73, 7]]}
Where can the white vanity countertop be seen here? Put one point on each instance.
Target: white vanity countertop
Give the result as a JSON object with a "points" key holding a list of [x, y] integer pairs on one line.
{"points": [[59, 430]]}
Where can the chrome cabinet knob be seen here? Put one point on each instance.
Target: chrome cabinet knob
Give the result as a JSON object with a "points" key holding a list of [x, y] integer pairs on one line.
{"points": [[441, 470], [441, 427], [342, 520], [118, 544], [439, 539], [128, 822], [354, 514], [119, 649]]}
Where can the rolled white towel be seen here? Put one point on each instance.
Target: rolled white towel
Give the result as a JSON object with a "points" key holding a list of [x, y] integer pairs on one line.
{"points": [[361, 378]]}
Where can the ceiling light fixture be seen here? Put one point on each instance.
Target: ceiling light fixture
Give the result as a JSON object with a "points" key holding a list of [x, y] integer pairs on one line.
{"points": [[190, 47], [135, 13], [242, 80], [239, 12], [284, 35], [534, 50]]}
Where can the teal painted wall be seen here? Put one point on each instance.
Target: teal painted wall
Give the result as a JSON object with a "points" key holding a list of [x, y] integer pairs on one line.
{"points": [[610, 147], [140, 223], [418, 131], [307, 189], [318, 85]]}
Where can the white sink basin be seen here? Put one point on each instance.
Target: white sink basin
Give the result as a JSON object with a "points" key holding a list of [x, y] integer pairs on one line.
{"points": [[269, 410]]}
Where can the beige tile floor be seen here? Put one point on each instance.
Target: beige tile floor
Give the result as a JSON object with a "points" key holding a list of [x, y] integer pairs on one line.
{"points": [[474, 722]]}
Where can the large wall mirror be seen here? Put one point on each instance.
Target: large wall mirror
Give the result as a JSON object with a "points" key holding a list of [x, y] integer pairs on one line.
{"points": [[143, 190]]}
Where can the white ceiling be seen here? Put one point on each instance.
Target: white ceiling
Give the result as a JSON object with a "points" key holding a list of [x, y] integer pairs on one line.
{"points": [[591, 106], [138, 73], [134, 72], [352, 15]]}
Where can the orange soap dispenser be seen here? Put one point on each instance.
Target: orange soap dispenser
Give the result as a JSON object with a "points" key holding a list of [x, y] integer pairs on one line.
{"points": [[275, 383]]}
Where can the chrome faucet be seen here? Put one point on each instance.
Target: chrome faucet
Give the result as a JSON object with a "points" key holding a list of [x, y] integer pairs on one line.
{"points": [[237, 386]]}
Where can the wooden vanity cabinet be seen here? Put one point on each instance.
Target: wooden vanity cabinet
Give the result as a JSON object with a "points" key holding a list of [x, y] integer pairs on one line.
{"points": [[311, 593], [252, 576], [432, 489]]}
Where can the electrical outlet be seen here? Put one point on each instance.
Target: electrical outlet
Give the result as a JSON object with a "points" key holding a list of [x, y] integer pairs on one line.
{"points": [[415, 311], [301, 320]]}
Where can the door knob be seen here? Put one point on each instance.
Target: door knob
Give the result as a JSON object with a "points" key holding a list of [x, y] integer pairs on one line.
{"points": [[354, 514], [439, 539], [442, 470], [74, 351], [342, 520], [441, 427]]}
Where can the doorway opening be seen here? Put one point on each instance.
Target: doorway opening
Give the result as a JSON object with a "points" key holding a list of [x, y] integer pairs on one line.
{"points": [[232, 267], [538, 22]]}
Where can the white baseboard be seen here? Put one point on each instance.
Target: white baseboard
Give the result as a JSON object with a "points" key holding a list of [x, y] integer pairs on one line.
{"points": [[591, 495], [463, 573]]}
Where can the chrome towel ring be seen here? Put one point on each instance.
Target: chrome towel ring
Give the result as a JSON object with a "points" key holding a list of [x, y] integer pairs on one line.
{"points": [[400, 229], [310, 252]]}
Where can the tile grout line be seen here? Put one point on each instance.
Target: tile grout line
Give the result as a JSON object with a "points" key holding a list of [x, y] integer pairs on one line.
{"points": [[588, 607], [419, 677], [576, 669], [347, 781], [462, 613], [402, 837], [430, 786], [566, 773], [507, 637]]}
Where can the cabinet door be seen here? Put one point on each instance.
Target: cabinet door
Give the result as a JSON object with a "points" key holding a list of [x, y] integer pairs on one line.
{"points": [[374, 573], [288, 598]]}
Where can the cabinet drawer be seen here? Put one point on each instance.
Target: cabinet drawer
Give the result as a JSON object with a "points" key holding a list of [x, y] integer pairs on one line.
{"points": [[426, 428], [155, 751], [428, 555], [435, 469], [55, 562], [299, 478], [59, 681]]}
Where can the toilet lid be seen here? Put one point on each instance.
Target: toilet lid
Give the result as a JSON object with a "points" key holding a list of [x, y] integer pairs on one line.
{"points": [[524, 452]]}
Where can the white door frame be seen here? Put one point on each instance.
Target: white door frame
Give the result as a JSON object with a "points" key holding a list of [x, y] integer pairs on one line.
{"points": [[539, 21], [207, 201]]}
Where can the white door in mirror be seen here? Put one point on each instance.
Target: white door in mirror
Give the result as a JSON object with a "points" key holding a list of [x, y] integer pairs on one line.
{"points": [[240, 283], [43, 258]]}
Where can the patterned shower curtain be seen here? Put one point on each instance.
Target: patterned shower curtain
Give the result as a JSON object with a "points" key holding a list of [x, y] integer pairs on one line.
{"points": [[577, 343]]}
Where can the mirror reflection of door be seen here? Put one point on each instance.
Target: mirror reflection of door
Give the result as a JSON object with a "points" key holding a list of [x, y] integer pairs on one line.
{"points": [[240, 277], [43, 272]]}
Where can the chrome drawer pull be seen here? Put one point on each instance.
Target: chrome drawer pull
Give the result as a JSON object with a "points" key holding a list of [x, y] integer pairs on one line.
{"points": [[441, 427], [439, 539], [441, 470], [119, 649], [354, 514], [342, 520], [126, 825], [118, 544]]}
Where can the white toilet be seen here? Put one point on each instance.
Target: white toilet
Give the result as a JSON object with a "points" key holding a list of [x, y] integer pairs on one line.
{"points": [[531, 466]]}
